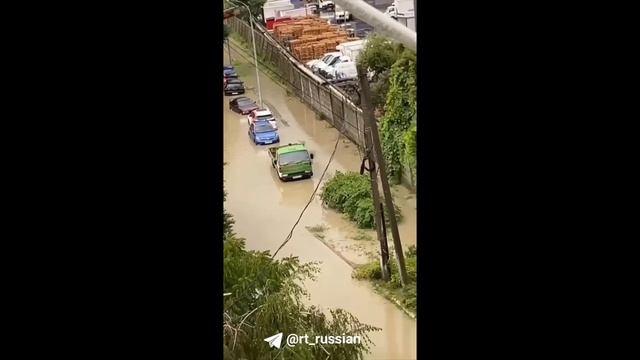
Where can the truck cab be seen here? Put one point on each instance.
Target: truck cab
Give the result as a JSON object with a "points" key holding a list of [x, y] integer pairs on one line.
{"points": [[291, 161]]}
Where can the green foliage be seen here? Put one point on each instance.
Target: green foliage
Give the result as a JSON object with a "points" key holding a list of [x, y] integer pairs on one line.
{"points": [[410, 147], [254, 5], [378, 55], [350, 193], [225, 32], [380, 89], [266, 298], [410, 263], [400, 109], [407, 295], [369, 271], [227, 222]]}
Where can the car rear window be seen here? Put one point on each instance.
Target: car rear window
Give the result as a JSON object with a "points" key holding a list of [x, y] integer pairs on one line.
{"points": [[263, 128]]}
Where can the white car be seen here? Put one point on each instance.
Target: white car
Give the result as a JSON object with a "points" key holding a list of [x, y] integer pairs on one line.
{"points": [[325, 60], [262, 114], [328, 69], [326, 5], [336, 71], [313, 62]]}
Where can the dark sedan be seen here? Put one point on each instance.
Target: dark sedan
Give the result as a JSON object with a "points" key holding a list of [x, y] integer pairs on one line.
{"points": [[243, 105], [234, 88], [226, 81], [229, 72]]}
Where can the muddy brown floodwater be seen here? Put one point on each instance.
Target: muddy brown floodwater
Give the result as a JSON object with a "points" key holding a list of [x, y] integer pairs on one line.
{"points": [[265, 209]]}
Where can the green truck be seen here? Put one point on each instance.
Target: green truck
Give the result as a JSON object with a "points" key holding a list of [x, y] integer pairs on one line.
{"points": [[291, 161]]}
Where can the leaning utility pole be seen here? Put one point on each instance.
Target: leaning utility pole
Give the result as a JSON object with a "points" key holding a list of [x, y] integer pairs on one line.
{"points": [[370, 121], [382, 23], [375, 192]]}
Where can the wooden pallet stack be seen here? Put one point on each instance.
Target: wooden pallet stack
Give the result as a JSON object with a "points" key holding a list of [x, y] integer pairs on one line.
{"points": [[309, 37], [304, 53]]}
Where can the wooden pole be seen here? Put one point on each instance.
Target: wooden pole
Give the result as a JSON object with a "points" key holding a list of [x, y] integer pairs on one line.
{"points": [[365, 98]]}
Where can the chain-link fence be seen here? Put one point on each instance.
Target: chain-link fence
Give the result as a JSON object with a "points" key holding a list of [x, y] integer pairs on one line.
{"points": [[332, 105]]}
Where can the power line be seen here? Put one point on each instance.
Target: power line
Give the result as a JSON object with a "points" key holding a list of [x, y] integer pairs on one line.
{"points": [[312, 194]]}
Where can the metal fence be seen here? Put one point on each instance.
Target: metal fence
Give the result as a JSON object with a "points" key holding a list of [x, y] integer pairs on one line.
{"points": [[325, 99], [334, 106]]}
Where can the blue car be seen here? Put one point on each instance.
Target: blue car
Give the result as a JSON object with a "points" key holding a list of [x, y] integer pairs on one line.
{"points": [[263, 133]]}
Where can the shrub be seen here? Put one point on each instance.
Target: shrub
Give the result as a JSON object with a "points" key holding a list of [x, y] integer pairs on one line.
{"points": [[350, 193], [410, 263], [370, 271], [408, 294]]}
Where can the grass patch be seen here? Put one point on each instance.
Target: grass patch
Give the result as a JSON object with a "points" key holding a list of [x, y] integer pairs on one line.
{"points": [[405, 296], [350, 194]]}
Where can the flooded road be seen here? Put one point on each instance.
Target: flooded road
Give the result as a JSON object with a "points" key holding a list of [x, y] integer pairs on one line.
{"points": [[265, 209]]}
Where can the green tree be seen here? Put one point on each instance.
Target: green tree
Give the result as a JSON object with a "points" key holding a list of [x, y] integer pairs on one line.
{"points": [[400, 111], [264, 297], [380, 89], [227, 224], [410, 147], [254, 5], [378, 55], [225, 31]]}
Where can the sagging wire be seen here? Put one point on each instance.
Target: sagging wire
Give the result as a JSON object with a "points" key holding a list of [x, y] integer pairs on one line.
{"points": [[335, 148]]}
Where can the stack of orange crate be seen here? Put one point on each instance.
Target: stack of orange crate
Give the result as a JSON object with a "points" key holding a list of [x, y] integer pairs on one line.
{"points": [[319, 49], [309, 37]]}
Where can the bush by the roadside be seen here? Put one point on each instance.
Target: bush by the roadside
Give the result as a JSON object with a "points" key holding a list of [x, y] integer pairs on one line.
{"points": [[350, 193], [369, 271], [406, 295]]}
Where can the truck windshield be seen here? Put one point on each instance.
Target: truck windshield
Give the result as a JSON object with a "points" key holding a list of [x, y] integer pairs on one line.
{"points": [[294, 157]]}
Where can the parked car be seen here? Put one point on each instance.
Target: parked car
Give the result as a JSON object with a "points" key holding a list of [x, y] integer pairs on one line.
{"points": [[328, 69], [310, 64], [229, 72], [325, 61], [292, 161], [322, 68], [263, 133], [242, 105], [346, 71], [226, 81], [327, 5], [262, 115], [335, 71], [234, 88]]}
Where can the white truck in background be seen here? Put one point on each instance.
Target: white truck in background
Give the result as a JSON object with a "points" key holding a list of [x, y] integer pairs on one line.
{"points": [[273, 9], [352, 49], [342, 15], [403, 12]]}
